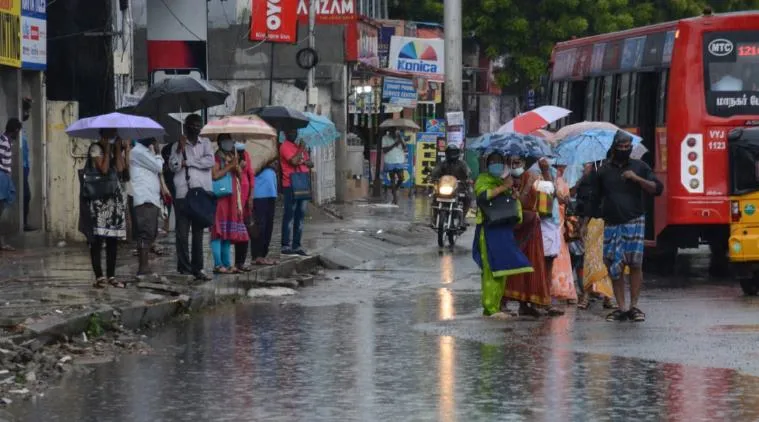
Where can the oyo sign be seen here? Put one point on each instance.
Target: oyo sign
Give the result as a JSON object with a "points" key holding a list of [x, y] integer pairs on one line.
{"points": [[329, 11], [420, 56], [274, 21]]}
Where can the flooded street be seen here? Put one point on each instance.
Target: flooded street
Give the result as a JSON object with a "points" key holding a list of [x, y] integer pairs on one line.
{"points": [[403, 339]]}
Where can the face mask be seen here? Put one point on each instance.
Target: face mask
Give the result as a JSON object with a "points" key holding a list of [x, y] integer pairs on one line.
{"points": [[192, 131], [622, 155], [496, 169], [517, 172], [228, 146], [239, 146]]}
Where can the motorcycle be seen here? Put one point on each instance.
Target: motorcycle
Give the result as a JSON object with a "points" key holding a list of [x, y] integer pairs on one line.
{"points": [[448, 210]]}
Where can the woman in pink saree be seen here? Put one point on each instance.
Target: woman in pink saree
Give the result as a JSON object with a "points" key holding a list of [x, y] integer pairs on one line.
{"points": [[562, 278]]}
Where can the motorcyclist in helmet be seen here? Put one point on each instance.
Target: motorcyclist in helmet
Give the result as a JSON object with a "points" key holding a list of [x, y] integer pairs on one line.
{"points": [[454, 166]]}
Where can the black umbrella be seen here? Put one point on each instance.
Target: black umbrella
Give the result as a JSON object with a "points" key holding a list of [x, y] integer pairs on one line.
{"points": [[183, 94], [281, 117]]}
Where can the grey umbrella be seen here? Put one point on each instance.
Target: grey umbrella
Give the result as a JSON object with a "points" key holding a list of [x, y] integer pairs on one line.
{"points": [[281, 117], [182, 94]]}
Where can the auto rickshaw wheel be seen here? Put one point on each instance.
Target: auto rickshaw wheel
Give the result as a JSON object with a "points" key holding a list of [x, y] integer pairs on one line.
{"points": [[750, 286]]}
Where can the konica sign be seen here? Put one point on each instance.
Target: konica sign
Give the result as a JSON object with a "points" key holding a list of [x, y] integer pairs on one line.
{"points": [[419, 56]]}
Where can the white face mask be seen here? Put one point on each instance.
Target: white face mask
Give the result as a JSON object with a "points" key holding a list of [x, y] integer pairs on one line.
{"points": [[517, 172]]}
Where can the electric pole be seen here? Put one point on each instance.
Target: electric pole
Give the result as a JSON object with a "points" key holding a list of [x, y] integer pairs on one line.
{"points": [[311, 103], [453, 55]]}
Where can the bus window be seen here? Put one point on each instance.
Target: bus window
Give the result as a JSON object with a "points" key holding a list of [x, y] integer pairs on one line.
{"points": [[555, 87], [661, 104], [605, 109], [633, 120], [590, 95], [564, 100], [623, 101]]}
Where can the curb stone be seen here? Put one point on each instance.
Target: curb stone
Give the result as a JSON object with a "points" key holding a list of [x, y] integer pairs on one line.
{"points": [[140, 314]]}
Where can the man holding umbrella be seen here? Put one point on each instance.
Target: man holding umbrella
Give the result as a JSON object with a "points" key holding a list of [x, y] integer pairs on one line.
{"points": [[293, 158], [191, 161]]}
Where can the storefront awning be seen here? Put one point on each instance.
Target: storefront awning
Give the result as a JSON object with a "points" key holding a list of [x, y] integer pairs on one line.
{"points": [[376, 71]]}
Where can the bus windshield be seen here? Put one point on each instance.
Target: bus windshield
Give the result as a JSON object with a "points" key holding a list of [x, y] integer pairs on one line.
{"points": [[731, 62]]}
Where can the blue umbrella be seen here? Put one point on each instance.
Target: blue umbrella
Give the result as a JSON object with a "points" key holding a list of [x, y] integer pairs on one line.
{"points": [[320, 131], [512, 144], [589, 146]]}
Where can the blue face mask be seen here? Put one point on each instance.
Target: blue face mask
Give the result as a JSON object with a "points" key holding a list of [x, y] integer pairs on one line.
{"points": [[496, 169], [239, 146]]}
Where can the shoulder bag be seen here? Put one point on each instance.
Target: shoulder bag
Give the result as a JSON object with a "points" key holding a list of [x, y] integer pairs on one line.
{"points": [[93, 184], [501, 210], [223, 187], [301, 185], [199, 204]]}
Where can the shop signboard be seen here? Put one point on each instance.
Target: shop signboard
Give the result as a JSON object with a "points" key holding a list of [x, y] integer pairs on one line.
{"points": [[383, 48], [34, 34], [362, 43], [274, 21], [329, 11], [399, 92], [10, 33], [418, 56]]}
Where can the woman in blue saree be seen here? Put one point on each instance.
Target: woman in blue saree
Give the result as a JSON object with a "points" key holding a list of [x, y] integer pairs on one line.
{"points": [[495, 250]]}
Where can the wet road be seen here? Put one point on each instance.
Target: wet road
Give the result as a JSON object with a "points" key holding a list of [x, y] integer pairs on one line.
{"points": [[402, 340]]}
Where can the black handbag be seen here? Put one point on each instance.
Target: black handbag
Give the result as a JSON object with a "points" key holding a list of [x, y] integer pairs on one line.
{"points": [[93, 184], [199, 204], [501, 210]]}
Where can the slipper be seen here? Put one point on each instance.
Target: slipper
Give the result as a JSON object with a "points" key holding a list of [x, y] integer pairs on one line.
{"points": [[7, 248], [115, 283], [100, 283], [245, 268], [156, 250], [220, 270]]}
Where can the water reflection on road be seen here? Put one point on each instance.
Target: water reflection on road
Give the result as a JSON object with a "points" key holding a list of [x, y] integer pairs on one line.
{"points": [[396, 346]]}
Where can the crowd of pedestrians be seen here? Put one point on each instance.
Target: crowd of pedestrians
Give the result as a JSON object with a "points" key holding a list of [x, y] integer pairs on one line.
{"points": [[134, 184], [561, 243]]}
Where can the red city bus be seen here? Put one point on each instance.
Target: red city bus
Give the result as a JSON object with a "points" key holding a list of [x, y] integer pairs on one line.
{"points": [[681, 86]]}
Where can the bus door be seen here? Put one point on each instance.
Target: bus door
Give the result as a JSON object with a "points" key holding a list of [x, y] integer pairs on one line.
{"points": [[577, 101], [648, 96]]}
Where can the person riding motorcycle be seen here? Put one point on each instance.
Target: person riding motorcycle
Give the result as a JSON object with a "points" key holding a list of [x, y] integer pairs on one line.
{"points": [[453, 166]]}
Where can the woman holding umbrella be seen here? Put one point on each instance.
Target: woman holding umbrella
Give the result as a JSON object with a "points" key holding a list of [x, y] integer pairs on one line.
{"points": [[230, 225], [103, 220]]}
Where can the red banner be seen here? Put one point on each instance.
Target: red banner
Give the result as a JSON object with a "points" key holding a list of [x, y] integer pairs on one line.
{"points": [[274, 21]]}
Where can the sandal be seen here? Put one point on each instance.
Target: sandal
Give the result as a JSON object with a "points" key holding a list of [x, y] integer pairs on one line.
{"points": [[116, 283], [584, 303], [636, 315], [530, 311], [609, 304], [100, 283], [244, 268], [617, 315], [554, 311], [220, 270], [156, 250]]}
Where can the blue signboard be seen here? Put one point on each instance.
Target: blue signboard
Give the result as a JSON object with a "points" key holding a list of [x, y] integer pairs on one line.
{"points": [[399, 91], [383, 48], [34, 34]]}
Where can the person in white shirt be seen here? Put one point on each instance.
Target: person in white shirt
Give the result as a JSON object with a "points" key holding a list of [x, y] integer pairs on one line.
{"points": [[145, 168], [395, 160]]}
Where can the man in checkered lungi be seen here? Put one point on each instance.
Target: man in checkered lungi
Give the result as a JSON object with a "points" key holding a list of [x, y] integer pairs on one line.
{"points": [[621, 185]]}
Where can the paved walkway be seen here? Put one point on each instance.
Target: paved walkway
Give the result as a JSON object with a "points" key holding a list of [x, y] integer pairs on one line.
{"points": [[45, 285]]}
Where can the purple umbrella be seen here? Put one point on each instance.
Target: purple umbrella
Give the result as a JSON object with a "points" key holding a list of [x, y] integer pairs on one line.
{"points": [[128, 126]]}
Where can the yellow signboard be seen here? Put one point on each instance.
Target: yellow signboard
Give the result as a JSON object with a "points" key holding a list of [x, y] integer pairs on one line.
{"points": [[426, 159], [10, 33]]}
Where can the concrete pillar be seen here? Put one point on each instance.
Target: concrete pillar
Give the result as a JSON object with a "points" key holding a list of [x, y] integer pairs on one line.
{"points": [[10, 106], [453, 52], [339, 115], [34, 128]]}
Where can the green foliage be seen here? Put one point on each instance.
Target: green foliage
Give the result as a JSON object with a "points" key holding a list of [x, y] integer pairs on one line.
{"points": [[525, 31], [95, 326]]}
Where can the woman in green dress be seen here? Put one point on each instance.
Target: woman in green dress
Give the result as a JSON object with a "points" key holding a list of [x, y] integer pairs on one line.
{"points": [[495, 250]]}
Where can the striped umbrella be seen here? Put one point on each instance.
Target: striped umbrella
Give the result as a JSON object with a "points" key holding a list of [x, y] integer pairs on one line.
{"points": [[535, 119]]}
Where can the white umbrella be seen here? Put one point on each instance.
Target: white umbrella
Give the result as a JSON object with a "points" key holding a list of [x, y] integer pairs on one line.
{"points": [[533, 120]]}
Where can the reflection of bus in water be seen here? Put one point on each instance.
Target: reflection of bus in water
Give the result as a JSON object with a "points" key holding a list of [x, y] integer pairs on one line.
{"points": [[681, 86]]}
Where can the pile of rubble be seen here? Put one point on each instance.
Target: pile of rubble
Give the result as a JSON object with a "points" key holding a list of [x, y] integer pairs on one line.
{"points": [[28, 368]]}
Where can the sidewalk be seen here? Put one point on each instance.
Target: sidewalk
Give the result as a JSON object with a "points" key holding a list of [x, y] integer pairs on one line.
{"points": [[47, 292]]}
